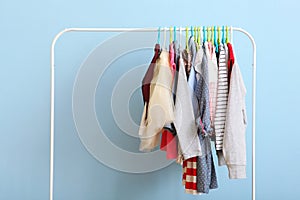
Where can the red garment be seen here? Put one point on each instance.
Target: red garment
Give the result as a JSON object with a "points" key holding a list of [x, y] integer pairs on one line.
{"points": [[189, 177], [169, 144], [230, 61], [148, 77]]}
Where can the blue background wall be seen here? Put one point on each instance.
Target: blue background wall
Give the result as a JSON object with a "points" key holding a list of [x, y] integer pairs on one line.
{"points": [[26, 31]]}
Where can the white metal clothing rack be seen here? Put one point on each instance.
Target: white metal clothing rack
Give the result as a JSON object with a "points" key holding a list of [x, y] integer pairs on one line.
{"points": [[52, 89]]}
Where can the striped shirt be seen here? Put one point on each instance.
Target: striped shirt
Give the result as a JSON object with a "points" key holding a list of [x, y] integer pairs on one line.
{"points": [[222, 97]]}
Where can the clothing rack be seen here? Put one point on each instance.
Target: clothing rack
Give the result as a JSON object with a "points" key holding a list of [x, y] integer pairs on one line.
{"points": [[52, 89]]}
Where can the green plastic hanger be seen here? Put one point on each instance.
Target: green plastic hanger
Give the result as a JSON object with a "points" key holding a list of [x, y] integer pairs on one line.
{"points": [[209, 34], [227, 34], [186, 38]]}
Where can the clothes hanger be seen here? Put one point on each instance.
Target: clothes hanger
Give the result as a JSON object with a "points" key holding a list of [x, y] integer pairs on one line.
{"points": [[186, 38], [196, 33], [199, 33], [215, 39], [158, 36], [165, 37], [204, 34], [212, 35], [174, 33], [223, 34], [208, 34], [192, 32], [219, 35], [227, 35], [171, 36]]}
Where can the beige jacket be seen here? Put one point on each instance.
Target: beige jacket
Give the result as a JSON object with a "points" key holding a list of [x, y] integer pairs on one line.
{"points": [[161, 105]]}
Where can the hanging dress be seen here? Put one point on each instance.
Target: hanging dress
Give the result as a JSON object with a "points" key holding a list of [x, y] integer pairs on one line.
{"points": [[206, 174], [184, 117], [189, 177]]}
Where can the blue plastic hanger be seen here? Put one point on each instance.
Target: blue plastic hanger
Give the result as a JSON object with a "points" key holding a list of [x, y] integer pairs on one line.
{"points": [[223, 34], [192, 31], [219, 35], [158, 36], [215, 39], [174, 33]]}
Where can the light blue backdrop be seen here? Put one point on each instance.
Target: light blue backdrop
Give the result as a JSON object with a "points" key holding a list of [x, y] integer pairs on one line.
{"points": [[26, 31]]}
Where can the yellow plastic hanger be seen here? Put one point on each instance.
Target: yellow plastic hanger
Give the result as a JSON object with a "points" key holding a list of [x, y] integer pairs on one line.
{"points": [[199, 35], [219, 35], [186, 38], [171, 35], [196, 34], [209, 34]]}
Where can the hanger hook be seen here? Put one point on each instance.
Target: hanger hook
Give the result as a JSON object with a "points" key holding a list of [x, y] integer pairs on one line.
{"points": [[195, 33], [174, 33], [171, 34], [208, 33], [219, 35], [212, 34], [158, 36], [186, 37], [227, 35], [204, 33], [198, 35], [223, 34]]}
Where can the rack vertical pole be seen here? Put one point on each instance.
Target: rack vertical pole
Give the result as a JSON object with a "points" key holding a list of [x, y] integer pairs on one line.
{"points": [[253, 110]]}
